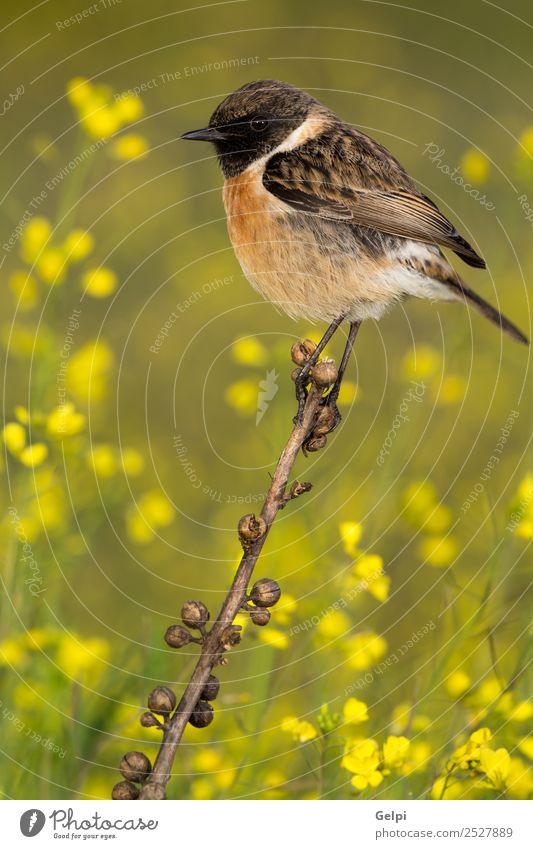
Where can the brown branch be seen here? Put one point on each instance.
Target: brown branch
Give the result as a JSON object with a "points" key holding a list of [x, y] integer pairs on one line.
{"points": [[252, 533]]}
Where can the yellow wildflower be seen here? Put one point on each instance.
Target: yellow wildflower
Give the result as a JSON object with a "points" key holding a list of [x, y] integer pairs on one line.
{"points": [[65, 421], [496, 766], [334, 624], [521, 712], [458, 683], [419, 757], [129, 108], [14, 438], [362, 758], [438, 551], [349, 392], [526, 746], [395, 751], [475, 166], [24, 287], [355, 711], [351, 533], [274, 637], [52, 266], [11, 653], [519, 780], [129, 146], [33, 455], [249, 351], [470, 752], [421, 362], [369, 567], [79, 90], [132, 461], [365, 649], [99, 282], [202, 789], [89, 370], [242, 396], [452, 389], [78, 245], [102, 458], [34, 237], [82, 658], [301, 730], [156, 509]]}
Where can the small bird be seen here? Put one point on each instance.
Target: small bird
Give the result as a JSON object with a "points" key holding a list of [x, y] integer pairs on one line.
{"points": [[325, 222]]}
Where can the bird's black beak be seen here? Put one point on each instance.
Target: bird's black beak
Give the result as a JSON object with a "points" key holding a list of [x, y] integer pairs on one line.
{"points": [[210, 134]]}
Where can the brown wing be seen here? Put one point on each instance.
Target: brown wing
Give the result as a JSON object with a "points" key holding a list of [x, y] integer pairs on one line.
{"points": [[336, 191]]}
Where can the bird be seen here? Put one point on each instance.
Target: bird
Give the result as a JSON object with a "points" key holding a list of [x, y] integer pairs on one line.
{"points": [[325, 221]]}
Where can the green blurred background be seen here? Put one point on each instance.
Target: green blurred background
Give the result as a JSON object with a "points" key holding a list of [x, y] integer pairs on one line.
{"points": [[128, 506]]}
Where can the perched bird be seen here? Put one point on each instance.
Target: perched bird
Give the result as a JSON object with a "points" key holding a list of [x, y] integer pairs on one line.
{"points": [[324, 221]]}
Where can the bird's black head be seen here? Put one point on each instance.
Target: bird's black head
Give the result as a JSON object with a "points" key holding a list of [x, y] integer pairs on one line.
{"points": [[253, 121]]}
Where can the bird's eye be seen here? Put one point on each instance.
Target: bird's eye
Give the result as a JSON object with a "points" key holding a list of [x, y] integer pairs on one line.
{"points": [[259, 124]]}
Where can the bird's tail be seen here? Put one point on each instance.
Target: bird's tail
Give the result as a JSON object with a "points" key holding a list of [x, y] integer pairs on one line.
{"points": [[465, 294]]}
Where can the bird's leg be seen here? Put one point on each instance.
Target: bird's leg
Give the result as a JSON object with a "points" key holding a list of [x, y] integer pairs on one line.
{"points": [[331, 399], [303, 377]]}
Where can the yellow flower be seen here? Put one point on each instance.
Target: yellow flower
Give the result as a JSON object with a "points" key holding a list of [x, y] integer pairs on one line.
{"points": [[14, 438], [438, 551], [156, 508], [496, 766], [249, 351], [100, 120], [206, 760], [475, 166], [457, 684], [99, 282], [348, 394], [81, 658], [33, 455], [419, 757], [520, 780], [52, 266], [153, 511], [89, 370], [395, 751], [137, 528], [334, 624], [274, 637], [301, 730], [521, 712], [78, 245], [362, 759], [285, 608], [526, 746], [242, 396], [102, 459], [79, 90], [369, 567], [351, 533], [65, 421], [421, 362], [129, 108], [452, 390], [11, 653], [129, 146], [132, 461], [365, 649], [470, 752], [355, 711], [202, 789], [34, 237], [24, 287]]}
